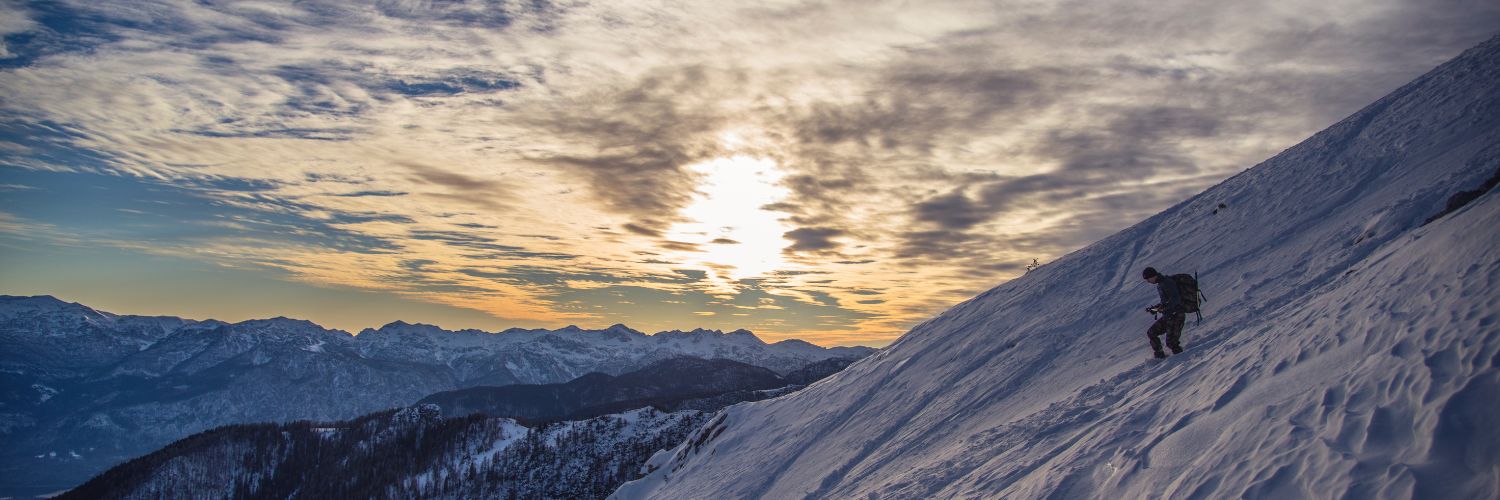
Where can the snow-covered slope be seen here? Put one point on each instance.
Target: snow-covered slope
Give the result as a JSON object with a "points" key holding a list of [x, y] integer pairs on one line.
{"points": [[405, 453], [1346, 351]]}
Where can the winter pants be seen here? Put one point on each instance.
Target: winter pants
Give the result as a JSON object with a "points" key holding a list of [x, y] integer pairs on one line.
{"points": [[1171, 325]]}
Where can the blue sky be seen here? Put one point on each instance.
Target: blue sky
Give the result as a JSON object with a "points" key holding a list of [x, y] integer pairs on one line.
{"points": [[833, 171]]}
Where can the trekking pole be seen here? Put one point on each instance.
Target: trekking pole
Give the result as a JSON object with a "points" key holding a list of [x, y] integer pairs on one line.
{"points": [[1202, 299]]}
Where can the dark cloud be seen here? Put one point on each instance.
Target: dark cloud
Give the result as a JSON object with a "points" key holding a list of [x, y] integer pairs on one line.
{"points": [[918, 100], [954, 210], [314, 93], [1003, 266], [802, 272], [641, 230], [916, 247], [416, 265], [485, 193], [337, 90], [538, 276], [680, 246], [230, 184], [487, 14], [821, 189], [921, 103], [1130, 145], [631, 145], [554, 279], [451, 84], [647, 182], [433, 175], [310, 134], [379, 194], [813, 239], [458, 238], [691, 275], [335, 178], [487, 248], [1135, 141], [520, 254], [1405, 34], [950, 94]]}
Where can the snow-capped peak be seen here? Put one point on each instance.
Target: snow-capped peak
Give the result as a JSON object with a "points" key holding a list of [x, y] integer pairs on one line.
{"points": [[12, 306], [619, 328]]}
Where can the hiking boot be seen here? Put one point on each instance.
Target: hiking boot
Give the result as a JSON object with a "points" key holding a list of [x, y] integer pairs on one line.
{"points": [[1176, 349], [1160, 354]]}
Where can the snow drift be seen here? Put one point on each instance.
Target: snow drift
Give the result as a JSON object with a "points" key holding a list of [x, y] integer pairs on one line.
{"points": [[1347, 349]]}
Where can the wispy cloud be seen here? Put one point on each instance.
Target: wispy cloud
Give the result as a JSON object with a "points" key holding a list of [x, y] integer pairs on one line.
{"points": [[535, 160]]}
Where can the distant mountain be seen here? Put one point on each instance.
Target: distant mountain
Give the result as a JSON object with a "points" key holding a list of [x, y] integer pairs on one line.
{"points": [[82, 389], [662, 383], [794, 381], [817, 370], [407, 453], [417, 452]]}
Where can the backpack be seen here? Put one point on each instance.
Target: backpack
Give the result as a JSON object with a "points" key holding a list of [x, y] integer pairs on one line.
{"points": [[1192, 297]]}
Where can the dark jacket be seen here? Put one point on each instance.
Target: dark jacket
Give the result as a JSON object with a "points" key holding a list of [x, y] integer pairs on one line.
{"points": [[1171, 299]]}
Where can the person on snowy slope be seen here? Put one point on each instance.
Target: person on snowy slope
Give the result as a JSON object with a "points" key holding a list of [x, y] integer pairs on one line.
{"points": [[1173, 314]]}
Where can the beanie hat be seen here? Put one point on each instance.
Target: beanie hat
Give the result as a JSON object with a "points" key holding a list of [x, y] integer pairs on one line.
{"points": [[1149, 273]]}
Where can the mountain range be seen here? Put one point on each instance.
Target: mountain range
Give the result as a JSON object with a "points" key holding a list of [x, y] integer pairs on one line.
{"points": [[571, 440], [594, 394], [82, 389]]}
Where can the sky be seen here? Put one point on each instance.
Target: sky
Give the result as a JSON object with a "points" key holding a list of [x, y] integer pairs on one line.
{"points": [[831, 171]]}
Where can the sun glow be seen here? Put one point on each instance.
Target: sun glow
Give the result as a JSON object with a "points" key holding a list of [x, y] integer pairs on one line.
{"points": [[739, 238]]}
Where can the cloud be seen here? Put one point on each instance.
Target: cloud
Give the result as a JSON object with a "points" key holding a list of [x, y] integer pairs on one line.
{"points": [[813, 239], [493, 154], [467, 189], [641, 230], [182, 216], [481, 14], [358, 194], [954, 210], [680, 246], [918, 102], [436, 176]]}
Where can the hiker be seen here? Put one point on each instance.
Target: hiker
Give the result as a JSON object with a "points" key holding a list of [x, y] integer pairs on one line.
{"points": [[1172, 312]]}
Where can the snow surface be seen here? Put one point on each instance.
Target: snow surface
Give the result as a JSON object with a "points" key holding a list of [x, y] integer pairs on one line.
{"points": [[624, 428], [1346, 350]]}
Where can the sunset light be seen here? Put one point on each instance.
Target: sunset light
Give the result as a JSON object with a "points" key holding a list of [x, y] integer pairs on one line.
{"points": [[660, 250], [739, 236], [825, 171]]}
